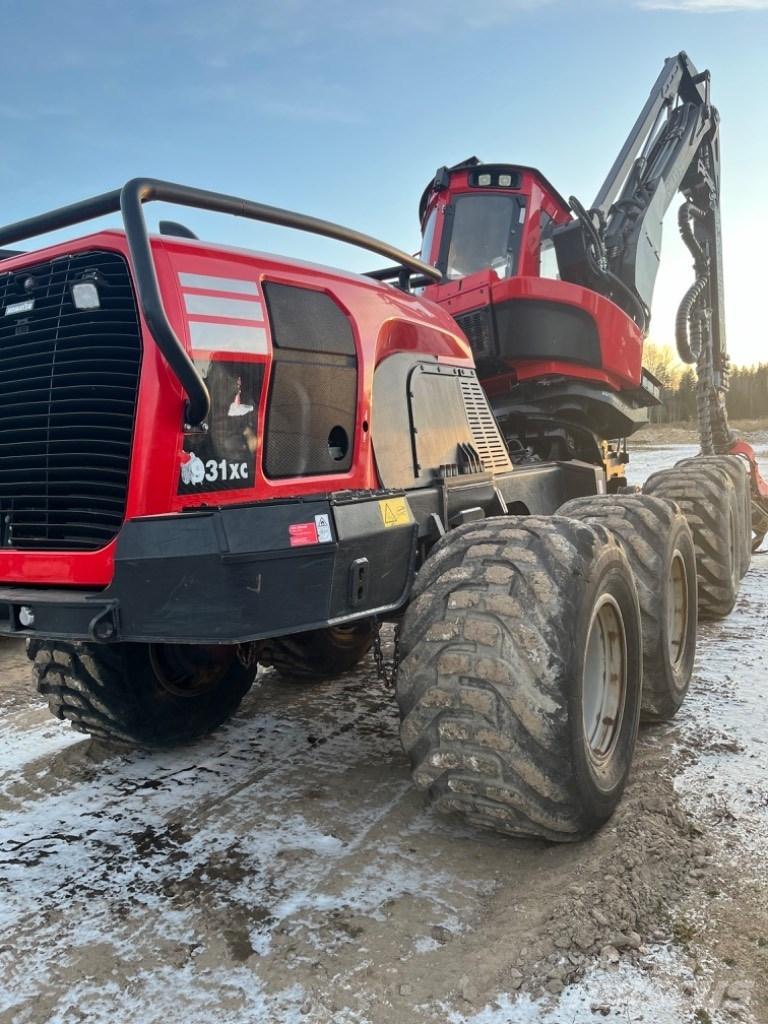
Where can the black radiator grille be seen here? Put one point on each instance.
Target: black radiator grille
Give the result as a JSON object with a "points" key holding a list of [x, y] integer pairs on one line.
{"points": [[68, 381]]}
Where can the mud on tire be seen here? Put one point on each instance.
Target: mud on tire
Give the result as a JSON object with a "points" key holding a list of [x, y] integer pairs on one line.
{"points": [[495, 653], [709, 502], [658, 543], [735, 469], [319, 653], [148, 695]]}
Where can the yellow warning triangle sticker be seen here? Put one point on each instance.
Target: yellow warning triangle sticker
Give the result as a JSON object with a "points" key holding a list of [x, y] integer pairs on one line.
{"points": [[395, 512]]}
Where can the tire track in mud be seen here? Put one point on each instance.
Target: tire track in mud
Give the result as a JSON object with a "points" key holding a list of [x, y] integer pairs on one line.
{"points": [[315, 867], [108, 834]]}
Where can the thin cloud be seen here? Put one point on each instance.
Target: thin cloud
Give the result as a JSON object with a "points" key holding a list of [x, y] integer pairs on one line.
{"points": [[297, 23], [501, 12], [303, 111], [705, 6], [22, 111], [276, 98]]}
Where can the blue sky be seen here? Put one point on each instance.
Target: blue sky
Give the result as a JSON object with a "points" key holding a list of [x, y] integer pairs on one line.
{"points": [[344, 110]]}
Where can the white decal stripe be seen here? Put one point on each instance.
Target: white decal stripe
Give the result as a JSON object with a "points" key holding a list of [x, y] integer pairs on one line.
{"points": [[228, 337], [219, 284], [213, 305]]}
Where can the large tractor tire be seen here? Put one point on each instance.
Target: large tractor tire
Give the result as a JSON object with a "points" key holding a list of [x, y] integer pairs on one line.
{"points": [[521, 676], [735, 469], [658, 543], [709, 502], [319, 653], [148, 695]]}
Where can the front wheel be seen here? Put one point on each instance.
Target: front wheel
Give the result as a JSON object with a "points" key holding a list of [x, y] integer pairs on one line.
{"points": [[521, 677], [148, 695]]}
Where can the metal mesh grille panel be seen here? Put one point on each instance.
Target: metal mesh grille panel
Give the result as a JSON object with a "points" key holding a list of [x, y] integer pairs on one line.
{"points": [[308, 401], [485, 433], [311, 413], [307, 320], [479, 330], [68, 382]]}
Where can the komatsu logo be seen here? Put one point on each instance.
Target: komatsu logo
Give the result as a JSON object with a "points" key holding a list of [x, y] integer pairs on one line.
{"points": [[19, 307]]}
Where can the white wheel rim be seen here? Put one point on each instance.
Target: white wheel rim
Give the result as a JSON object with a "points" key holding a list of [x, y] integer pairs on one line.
{"points": [[604, 680], [677, 609]]}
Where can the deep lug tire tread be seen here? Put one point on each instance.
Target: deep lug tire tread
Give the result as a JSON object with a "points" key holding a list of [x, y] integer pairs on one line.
{"points": [[705, 498], [109, 692], [650, 529], [736, 470]]}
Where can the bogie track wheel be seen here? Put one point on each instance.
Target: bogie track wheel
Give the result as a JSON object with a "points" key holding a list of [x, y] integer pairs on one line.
{"points": [[709, 501], [737, 472], [658, 543], [521, 676]]}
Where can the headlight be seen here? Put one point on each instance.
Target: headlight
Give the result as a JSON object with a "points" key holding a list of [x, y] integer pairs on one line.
{"points": [[85, 295]]}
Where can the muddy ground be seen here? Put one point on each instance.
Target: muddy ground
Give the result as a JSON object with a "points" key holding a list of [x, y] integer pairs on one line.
{"points": [[284, 869]]}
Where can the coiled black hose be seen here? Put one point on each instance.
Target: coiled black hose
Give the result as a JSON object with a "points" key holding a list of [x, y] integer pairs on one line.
{"points": [[693, 337], [685, 215], [688, 337]]}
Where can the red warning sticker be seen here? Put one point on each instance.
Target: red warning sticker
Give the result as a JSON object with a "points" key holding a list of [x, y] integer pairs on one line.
{"points": [[302, 533]]}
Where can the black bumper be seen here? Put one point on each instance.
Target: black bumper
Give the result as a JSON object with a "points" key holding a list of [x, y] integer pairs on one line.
{"points": [[234, 575]]}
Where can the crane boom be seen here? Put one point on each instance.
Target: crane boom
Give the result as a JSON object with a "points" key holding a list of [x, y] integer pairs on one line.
{"points": [[615, 247]]}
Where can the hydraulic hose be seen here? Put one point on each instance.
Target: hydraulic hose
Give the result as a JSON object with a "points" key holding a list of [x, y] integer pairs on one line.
{"points": [[689, 339], [694, 342], [599, 266], [687, 212], [641, 314]]}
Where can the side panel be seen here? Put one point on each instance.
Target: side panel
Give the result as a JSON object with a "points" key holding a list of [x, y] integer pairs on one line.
{"points": [[323, 332], [431, 419], [213, 297]]}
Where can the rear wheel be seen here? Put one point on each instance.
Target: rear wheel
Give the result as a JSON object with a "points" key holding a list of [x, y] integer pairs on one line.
{"points": [[319, 653], [658, 543], [735, 469], [520, 683], [143, 694], [709, 502]]}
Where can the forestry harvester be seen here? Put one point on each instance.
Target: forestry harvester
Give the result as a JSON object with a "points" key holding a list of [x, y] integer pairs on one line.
{"points": [[212, 459]]}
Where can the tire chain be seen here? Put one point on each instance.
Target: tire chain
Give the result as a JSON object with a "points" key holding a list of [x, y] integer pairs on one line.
{"points": [[386, 672], [247, 654]]}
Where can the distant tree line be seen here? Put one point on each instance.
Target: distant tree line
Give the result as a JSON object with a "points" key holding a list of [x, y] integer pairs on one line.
{"points": [[747, 396]]}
